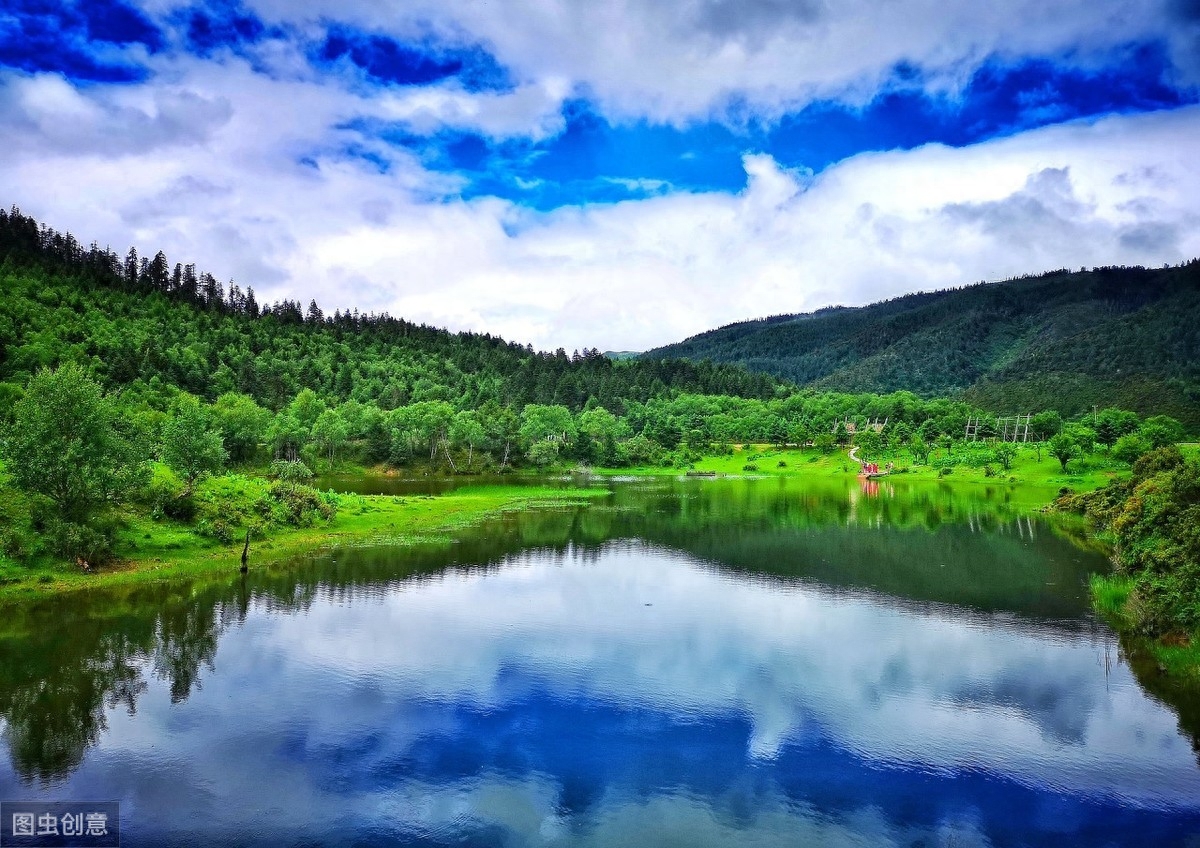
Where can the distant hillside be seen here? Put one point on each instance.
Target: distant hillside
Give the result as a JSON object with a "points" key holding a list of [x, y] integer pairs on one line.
{"points": [[137, 322], [1127, 337]]}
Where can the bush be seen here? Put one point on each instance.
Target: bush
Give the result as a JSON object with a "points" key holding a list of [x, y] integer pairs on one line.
{"points": [[217, 528], [1129, 447], [300, 505], [781, 464], [1158, 461], [91, 543], [291, 472], [945, 470], [750, 466], [1155, 520]]}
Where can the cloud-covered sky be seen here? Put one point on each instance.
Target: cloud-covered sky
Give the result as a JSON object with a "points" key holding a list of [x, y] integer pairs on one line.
{"points": [[607, 174]]}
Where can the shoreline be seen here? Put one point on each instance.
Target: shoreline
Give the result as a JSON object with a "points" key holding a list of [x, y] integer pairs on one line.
{"points": [[362, 520], [177, 553], [164, 550]]}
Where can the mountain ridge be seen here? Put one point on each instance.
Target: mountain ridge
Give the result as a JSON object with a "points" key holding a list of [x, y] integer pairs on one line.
{"points": [[1126, 336]]}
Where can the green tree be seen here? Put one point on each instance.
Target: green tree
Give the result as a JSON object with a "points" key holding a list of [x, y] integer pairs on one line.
{"points": [[191, 446], [307, 408], [501, 429], [919, 448], [1005, 453], [243, 424], [62, 445], [1063, 448], [1045, 424], [287, 436], [1111, 424], [605, 431], [330, 432], [543, 453], [1129, 447], [424, 423], [1082, 435], [870, 442], [1161, 431], [467, 430], [546, 423]]}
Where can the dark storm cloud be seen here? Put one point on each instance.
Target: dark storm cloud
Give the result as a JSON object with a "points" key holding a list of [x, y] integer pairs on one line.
{"points": [[733, 18]]}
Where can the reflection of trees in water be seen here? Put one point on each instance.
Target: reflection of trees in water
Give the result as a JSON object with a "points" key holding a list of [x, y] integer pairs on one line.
{"points": [[70, 659], [1182, 696], [51, 721], [79, 657]]}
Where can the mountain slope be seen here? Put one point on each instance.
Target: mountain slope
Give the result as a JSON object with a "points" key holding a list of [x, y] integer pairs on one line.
{"points": [[134, 322], [1111, 336]]}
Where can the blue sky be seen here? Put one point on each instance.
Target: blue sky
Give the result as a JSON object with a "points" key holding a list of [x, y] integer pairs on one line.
{"points": [[540, 168]]}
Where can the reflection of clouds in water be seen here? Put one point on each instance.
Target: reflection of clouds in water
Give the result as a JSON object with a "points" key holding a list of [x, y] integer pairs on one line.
{"points": [[891, 685], [526, 810], [383, 711]]}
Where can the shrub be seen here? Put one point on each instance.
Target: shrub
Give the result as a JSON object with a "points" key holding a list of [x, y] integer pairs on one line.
{"points": [[1129, 447], [750, 466], [300, 505], [217, 528], [291, 472], [90, 542]]}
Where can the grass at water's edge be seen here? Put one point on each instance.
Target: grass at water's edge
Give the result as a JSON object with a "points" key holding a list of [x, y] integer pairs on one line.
{"points": [[158, 550], [1177, 658], [1027, 469], [161, 550]]}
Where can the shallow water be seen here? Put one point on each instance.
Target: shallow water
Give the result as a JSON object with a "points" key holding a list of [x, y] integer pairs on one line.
{"points": [[715, 662]]}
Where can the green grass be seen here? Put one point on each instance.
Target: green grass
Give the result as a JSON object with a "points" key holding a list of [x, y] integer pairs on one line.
{"points": [[1176, 657], [1046, 476], [1110, 592], [149, 550]]}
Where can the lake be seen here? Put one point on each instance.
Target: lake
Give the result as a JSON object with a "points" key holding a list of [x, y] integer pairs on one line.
{"points": [[682, 662]]}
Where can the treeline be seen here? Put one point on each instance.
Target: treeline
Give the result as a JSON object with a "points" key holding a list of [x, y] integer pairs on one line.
{"points": [[73, 456], [131, 320], [127, 383], [1110, 336]]}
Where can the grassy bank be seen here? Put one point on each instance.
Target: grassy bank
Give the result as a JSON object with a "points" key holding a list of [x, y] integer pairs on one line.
{"points": [[151, 550], [1150, 522], [1176, 656], [1044, 476]]}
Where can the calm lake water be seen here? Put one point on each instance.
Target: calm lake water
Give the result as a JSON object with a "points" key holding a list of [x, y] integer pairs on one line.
{"points": [[691, 663]]}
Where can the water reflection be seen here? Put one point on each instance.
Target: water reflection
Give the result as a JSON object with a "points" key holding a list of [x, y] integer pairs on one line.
{"points": [[664, 669]]}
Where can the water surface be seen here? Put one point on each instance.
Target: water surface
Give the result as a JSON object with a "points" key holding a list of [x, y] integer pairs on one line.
{"points": [[683, 663]]}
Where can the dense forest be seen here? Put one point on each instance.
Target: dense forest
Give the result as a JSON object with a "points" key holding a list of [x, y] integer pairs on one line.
{"points": [[143, 323], [1126, 337], [129, 383]]}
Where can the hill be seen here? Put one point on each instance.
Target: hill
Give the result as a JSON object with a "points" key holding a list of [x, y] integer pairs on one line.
{"points": [[141, 324], [1127, 337]]}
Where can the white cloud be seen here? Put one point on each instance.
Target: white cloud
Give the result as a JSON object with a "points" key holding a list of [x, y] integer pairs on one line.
{"points": [[206, 164], [682, 60]]}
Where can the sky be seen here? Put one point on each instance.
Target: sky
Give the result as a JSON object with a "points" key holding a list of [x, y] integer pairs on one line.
{"points": [[620, 175]]}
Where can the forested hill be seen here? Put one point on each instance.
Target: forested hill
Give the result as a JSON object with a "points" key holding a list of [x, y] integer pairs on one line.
{"points": [[144, 324], [1127, 337]]}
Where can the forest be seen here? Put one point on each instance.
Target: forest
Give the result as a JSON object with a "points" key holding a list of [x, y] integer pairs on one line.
{"points": [[134, 384], [1114, 336]]}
